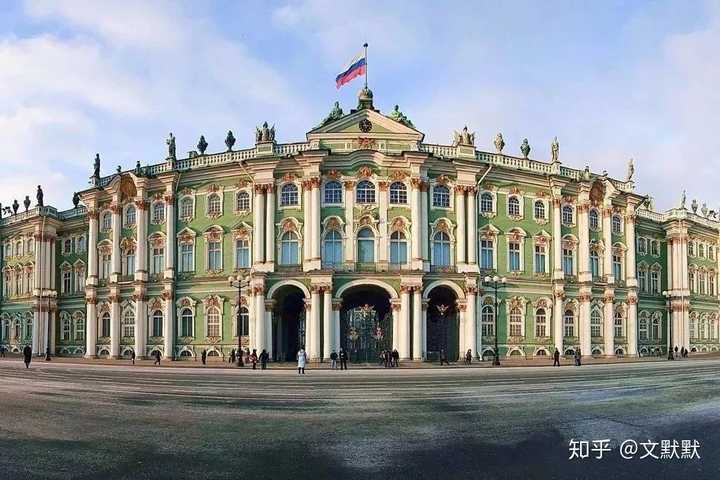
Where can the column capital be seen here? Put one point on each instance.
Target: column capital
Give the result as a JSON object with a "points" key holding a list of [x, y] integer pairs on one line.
{"points": [[336, 304], [258, 290], [349, 184], [93, 214], [169, 198]]}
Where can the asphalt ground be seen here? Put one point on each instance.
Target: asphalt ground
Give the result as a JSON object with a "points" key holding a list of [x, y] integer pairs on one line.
{"points": [[67, 421]]}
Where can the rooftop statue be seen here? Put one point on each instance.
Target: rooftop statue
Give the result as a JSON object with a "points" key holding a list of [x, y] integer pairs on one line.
{"points": [[202, 145], [586, 173], [631, 171], [76, 200], [229, 141], [265, 134], [525, 148], [464, 137], [400, 117], [650, 203], [39, 196], [334, 114], [555, 150], [694, 205], [26, 202], [499, 143], [15, 206], [138, 169], [704, 210], [96, 166], [171, 146], [683, 199]]}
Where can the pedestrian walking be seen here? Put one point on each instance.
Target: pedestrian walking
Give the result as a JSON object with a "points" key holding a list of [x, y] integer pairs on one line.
{"points": [[156, 354], [468, 357], [203, 357], [443, 357], [27, 355], [264, 357], [396, 357], [2, 352], [301, 360], [232, 356], [343, 359], [132, 356], [333, 360], [254, 359], [556, 358]]}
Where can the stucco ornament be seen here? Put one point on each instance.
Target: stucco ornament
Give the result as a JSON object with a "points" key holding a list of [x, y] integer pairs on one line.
{"points": [[499, 142], [464, 137], [525, 148]]}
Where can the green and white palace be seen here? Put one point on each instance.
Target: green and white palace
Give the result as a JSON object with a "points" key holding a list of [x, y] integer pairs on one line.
{"points": [[363, 237]]}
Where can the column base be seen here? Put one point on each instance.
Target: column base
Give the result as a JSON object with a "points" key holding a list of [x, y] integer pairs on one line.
{"points": [[90, 357]]}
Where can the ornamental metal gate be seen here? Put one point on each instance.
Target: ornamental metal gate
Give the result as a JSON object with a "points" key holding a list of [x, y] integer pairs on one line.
{"points": [[364, 335]]}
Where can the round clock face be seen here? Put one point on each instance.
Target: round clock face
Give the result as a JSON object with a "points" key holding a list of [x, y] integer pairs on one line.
{"points": [[365, 125]]}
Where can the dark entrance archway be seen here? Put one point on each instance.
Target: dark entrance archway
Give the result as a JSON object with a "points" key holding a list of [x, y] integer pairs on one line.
{"points": [[288, 323], [366, 326], [442, 324]]}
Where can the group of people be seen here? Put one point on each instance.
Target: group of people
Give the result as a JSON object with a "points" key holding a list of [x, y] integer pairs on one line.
{"points": [[682, 353], [243, 357], [390, 358], [342, 357]]}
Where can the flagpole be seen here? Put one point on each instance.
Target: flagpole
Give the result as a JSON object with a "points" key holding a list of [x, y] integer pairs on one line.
{"points": [[366, 64]]}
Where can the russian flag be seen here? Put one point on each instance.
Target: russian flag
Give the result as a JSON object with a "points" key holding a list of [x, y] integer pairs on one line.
{"points": [[356, 68]]}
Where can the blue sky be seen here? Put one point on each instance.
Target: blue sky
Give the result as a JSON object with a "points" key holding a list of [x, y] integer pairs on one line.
{"points": [[612, 79]]}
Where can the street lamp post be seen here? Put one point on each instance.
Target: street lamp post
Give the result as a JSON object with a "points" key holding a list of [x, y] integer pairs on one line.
{"points": [[668, 301], [238, 281], [496, 282]]}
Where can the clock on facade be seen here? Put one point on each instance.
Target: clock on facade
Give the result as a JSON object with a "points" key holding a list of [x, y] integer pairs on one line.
{"points": [[365, 125]]}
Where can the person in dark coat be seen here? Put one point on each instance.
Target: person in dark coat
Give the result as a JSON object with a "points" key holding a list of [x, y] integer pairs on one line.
{"points": [[27, 355], [156, 354], [254, 359], [556, 358], [132, 356], [396, 357], [264, 357], [468, 357], [333, 360], [2, 352], [203, 357], [232, 356], [343, 359]]}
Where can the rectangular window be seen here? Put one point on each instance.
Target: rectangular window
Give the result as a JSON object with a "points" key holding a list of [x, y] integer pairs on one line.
{"points": [[128, 266], [214, 256], [654, 282], [514, 256], [158, 261], [105, 266], [617, 267], [486, 255], [80, 280], [242, 253], [594, 264], [540, 259], [186, 257], [568, 262], [642, 280], [67, 281], [655, 247]]}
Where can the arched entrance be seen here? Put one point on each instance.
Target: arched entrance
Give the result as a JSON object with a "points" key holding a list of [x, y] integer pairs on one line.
{"points": [[442, 324], [288, 322], [366, 323]]}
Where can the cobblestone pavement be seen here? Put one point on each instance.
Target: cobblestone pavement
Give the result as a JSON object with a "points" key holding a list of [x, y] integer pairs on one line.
{"points": [[63, 420]]}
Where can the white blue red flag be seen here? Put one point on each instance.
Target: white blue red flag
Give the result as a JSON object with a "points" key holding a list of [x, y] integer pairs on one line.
{"points": [[357, 67]]}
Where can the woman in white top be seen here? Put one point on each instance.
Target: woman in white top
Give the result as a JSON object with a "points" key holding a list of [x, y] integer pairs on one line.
{"points": [[302, 360]]}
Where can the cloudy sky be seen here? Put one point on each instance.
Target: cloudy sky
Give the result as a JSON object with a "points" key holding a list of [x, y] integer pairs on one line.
{"points": [[612, 79]]}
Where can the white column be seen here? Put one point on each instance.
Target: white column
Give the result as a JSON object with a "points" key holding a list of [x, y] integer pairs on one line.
{"points": [[415, 218], [258, 230], [383, 228], [424, 219], [349, 222], [140, 325], [307, 223], [336, 325], [91, 327], [471, 229], [141, 241], [395, 307], [116, 226], [260, 330], [461, 224], [609, 323], [557, 243], [404, 324], [607, 239], [315, 218], [470, 323], [424, 329], [252, 315], [584, 274], [268, 327], [558, 313], [328, 332], [92, 269], [418, 352], [632, 323], [114, 326], [170, 231], [314, 348], [630, 267], [168, 325], [584, 321], [270, 226]]}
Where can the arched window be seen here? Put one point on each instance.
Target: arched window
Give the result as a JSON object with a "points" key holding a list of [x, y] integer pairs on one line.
{"points": [[244, 325], [486, 202], [27, 334], [569, 323], [540, 323], [157, 324], [186, 207], [595, 323], [616, 224], [366, 246], [333, 193], [213, 322], [158, 212], [619, 326], [441, 249], [242, 201], [106, 221], [130, 216], [513, 207], [398, 248], [365, 192], [398, 193], [441, 196], [332, 248], [5, 331], [643, 326], [515, 322], [79, 328], [128, 323], [214, 205], [487, 320], [656, 328], [539, 210], [288, 195], [105, 324], [289, 249], [594, 219], [186, 323], [242, 253], [567, 215], [67, 246]]}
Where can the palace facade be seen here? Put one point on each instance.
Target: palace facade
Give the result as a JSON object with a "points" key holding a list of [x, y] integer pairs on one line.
{"points": [[363, 237]]}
